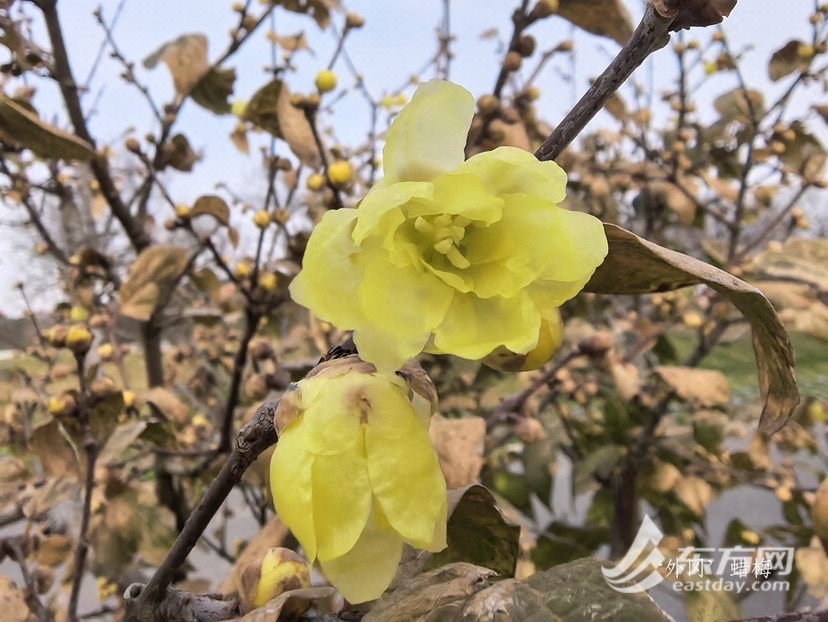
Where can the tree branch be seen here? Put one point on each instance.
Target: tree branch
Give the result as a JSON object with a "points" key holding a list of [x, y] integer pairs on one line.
{"points": [[650, 35], [155, 601], [99, 164]]}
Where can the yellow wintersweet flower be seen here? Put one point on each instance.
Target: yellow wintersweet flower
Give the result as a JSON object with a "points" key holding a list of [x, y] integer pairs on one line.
{"points": [[451, 256], [354, 474]]}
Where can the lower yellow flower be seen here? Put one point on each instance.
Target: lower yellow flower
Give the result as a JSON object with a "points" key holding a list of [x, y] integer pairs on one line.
{"points": [[354, 474]]}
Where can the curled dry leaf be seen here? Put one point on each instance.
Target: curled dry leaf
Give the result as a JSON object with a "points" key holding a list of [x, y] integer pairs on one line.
{"points": [[20, 127], [636, 266], [214, 88], [151, 281], [459, 446], [186, 58], [689, 13], [211, 205], [271, 110]]}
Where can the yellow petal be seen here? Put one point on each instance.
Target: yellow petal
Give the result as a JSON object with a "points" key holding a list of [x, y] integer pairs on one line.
{"points": [[366, 571], [332, 421], [290, 483], [459, 195], [379, 212], [428, 137], [341, 501], [580, 246], [408, 483], [391, 413], [474, 326], [327, 281], [509, 170], [401, 307]]}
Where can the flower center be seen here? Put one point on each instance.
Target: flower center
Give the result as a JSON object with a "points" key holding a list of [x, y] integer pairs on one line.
{"points": [[444, 234]]}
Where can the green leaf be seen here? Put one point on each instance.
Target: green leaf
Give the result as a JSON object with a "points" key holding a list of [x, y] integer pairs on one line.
{"points": [[151, 281], [20, 127], [636, 266]]}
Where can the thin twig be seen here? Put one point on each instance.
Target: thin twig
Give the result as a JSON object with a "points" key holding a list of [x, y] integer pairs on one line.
{"points": [[650, 35], [143, 602], [90, 445]]}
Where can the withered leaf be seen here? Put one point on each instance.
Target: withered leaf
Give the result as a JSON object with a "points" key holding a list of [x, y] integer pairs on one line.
{"points": [[636, 266], [270, 109], [702, 387], [786, 60], [459, 446], [291, 43], [13, 602], [689, 13], [186, 58], [478, 533], [21, 127], [211, 205], [214, 89], [319, 10], [151, 281], [179, 154], [607, 18], [56, 453], [740, 105], [169, 405]]}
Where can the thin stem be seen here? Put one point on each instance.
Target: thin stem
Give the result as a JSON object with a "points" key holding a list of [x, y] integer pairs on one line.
{"points": [[71, 98], [90, 445], [650, 35]]}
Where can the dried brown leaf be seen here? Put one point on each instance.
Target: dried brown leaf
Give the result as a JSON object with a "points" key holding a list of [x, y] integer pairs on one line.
{"points": [[169, 405], [13, 602], [607, 18], [636, 266], [151, 281], [186, 58], [786, 60], [689, 13], [56, 453], [270, 109], [211, 205], [459, 446], [214, 89], [21, 127], [703, 387]]}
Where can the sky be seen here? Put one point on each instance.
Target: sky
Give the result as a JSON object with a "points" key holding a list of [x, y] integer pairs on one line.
{"points": [[396, 42]]}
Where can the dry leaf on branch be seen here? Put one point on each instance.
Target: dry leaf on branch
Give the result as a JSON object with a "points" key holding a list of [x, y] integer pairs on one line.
{"points": [[636, 266]]}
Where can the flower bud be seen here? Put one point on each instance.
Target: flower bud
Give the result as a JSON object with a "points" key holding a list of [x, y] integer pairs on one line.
{"points": [[261, 219], [549, 340], [340, 173], [78, 339], [279, 571]]}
